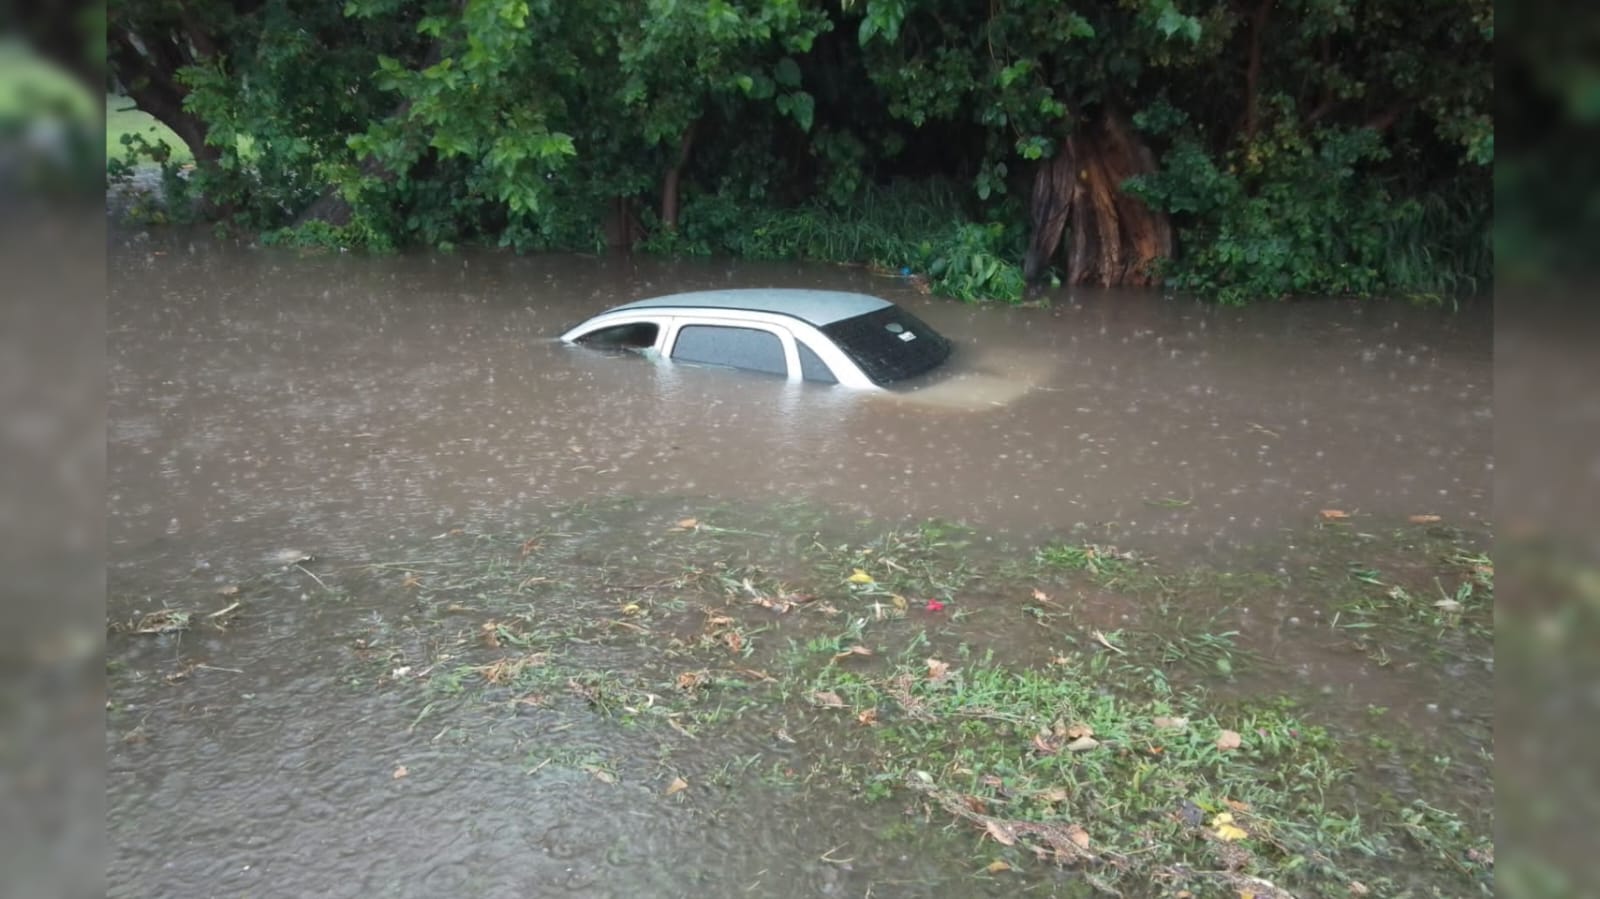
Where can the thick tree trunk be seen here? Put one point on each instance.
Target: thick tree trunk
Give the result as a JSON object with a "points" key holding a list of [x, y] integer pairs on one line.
{"points": [[151, 83], [1115, 238]]}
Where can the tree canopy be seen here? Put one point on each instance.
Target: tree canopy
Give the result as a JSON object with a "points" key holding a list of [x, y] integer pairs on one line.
{"points": [[1239, 148]]}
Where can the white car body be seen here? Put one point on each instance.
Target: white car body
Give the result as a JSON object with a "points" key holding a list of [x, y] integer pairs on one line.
{"points": [[795, 317]]}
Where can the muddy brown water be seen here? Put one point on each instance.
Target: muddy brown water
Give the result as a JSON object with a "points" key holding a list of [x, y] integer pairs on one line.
{"points": [[263, 400]]}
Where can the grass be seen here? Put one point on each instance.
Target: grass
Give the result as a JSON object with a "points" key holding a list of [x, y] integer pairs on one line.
{"points": [[123, 118], [1164, 748]]}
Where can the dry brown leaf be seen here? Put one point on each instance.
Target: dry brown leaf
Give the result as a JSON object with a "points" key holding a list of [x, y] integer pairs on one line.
{"points": [[857, 650], [1357, 888], [1166, 722], [996, 866], [230, 590], [1055, 795], [1079, 730], [411, 581], [1425, 519], [601, 774], [938, 670], [868, 717], [1101, 637], [1229, 740], [678, 785], [1001, 833], [690, 680], [827, 699], [1040, 595], [1334, 514], [734, 639], [1237, 806], [1078, 836], [975, 803], [687, 524], [1045, 747], [399, 772], [1082, 744]]}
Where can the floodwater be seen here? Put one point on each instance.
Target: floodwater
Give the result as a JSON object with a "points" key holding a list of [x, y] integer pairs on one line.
{"points": [[262, 400], [259, 398]]}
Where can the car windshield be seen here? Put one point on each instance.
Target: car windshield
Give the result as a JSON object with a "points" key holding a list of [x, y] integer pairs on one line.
{"points": [[889, 344]]}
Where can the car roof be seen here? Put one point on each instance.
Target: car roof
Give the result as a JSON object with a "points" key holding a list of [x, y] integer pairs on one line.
{"points": [[817, 307]]}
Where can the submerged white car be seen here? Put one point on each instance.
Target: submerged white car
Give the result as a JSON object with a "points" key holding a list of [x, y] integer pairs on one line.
{"points": [[826, 336]]}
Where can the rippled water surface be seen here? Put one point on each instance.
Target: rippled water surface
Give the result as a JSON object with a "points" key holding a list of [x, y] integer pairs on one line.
{"points": [[262, 401]]}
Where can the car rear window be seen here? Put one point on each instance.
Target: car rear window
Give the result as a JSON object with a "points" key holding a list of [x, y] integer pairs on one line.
{"points": [[890, 344]]}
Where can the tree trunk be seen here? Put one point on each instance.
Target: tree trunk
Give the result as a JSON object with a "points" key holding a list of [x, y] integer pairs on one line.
{"points": [[669, 184], [1115, 238], [151, 82]]}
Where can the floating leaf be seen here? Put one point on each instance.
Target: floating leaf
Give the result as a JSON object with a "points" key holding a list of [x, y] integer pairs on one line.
{"points": [[1229, 740], [935, 606], [399, 772], [687, 524], [1040, 595], [858, 576], [1222, 825], [1425, 519], [996, 866], [1334, 514], [678, 785], [937, 670], [601, 774]]}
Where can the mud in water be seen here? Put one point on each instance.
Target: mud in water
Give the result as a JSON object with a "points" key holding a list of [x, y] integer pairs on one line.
{"points": [[265, 405]]}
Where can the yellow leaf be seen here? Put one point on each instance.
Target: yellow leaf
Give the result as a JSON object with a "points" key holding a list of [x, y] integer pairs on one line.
{"points": [[678, 785], [860, 577], [899, 602], [631, 609], [996, 866], [1223, 826]]}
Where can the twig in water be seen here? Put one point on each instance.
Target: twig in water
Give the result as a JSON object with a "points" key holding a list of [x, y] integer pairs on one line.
{"points": [[314, 577]]}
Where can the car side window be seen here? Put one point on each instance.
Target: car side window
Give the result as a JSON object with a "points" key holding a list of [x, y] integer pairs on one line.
{"points": [[812, 368], [746, 348], [634, 335]]}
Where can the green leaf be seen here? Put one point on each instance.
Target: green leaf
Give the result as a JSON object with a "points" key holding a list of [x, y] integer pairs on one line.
{"points": [[787, 73]]}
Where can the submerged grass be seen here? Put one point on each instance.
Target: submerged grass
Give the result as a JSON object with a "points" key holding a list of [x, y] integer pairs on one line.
{"points": [[983, 688]]}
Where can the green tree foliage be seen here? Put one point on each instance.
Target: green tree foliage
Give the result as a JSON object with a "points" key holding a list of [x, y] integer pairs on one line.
{"points": [[1297, 146]]}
